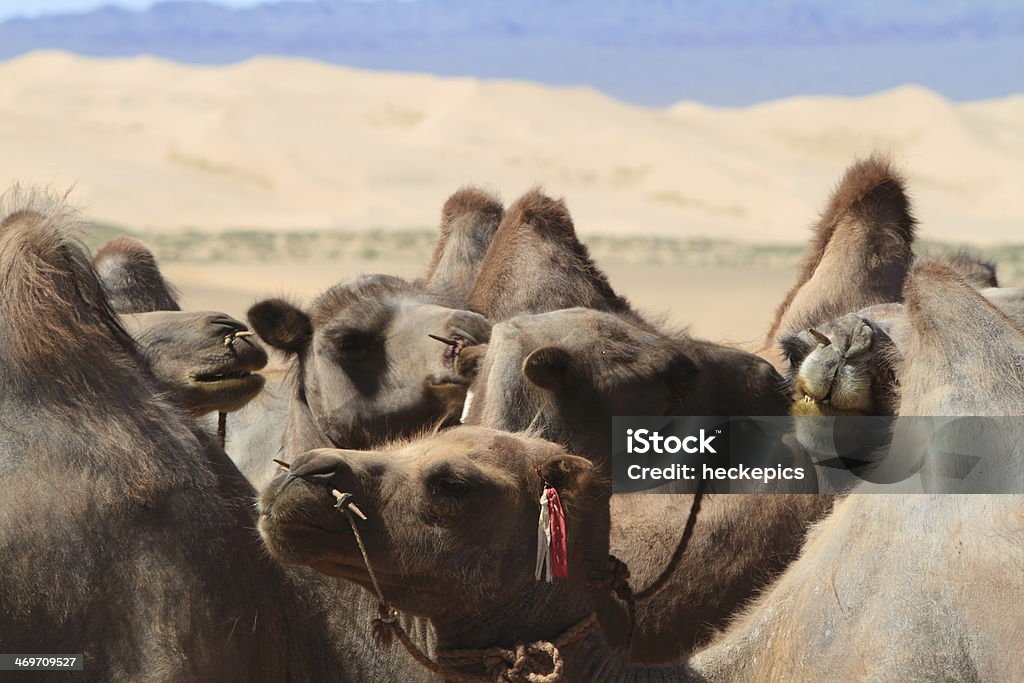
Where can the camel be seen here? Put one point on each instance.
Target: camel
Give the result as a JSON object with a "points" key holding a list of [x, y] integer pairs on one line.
{"points": [[888, 588], [908, 586], [200, 358], [365, 358], [366, 369], [126, 533], [469, 220], [860, 253], [132, 278], [847, 366], [979, 272], [565, 373], [596, 365], [206, 360]]}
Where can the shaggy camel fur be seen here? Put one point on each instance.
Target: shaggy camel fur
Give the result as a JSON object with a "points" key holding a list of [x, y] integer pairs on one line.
{"points": [[536, 263], [125, 532], [860, 253]]}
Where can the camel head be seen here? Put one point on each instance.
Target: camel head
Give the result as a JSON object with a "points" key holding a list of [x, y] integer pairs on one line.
{"points": [[566, 373], [367, 367], [431, 532], [842, 367], [206, 360], [133, 281]]}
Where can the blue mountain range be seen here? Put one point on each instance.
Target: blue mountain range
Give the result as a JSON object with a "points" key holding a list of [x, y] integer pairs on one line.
{"points": [[724, 52]]}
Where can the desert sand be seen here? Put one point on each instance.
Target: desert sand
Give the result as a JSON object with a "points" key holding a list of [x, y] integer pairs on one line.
{"points": [[287, 144], [736, 309]]}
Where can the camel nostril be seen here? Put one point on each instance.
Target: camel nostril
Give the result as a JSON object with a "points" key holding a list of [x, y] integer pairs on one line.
{"points": [[229, 324], [321, 466]]}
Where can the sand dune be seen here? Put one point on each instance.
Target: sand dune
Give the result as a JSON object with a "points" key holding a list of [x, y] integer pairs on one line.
{"points": [[288, 144]]}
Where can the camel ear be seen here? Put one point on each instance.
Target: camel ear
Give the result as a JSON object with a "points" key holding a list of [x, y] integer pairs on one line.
{"points": [[547, 367], [569, 474], [281, 325], [680, 374]]}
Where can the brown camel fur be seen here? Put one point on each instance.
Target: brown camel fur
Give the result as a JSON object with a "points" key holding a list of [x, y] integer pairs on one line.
{"points": [[469, 221], [887, 588], [536, 263], [859, 255], [125, 533], [565, 373], [902, 587], [133, 281]]}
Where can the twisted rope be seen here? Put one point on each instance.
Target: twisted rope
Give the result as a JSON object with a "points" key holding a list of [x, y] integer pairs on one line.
{"points": [[526, 663], [677, 554]]}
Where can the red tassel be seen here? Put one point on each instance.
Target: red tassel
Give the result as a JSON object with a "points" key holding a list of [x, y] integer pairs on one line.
{"points": [[559, 547]]}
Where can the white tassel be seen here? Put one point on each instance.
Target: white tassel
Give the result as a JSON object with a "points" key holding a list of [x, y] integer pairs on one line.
{"points": [[543, 566], [466, 406]]}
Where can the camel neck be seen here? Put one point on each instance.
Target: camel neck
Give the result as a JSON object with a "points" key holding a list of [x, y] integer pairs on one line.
{"points": [[302, 432]]}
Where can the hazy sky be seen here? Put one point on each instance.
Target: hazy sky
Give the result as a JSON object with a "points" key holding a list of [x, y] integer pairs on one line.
{"points": [[9, 8]]}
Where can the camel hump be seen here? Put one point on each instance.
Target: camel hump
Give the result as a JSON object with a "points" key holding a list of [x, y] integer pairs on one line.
{"points": [[34, 220], [979, 272], [472, 203], [875, 194], [536, 263], [469, 221], [941, 300], [125, 246], [55, 319], [542, 215], [132, 278]]}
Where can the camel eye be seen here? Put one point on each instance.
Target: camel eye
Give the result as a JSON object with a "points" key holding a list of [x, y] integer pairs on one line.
{"points": [[451, 487], [354, 345], [446, 482]]}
